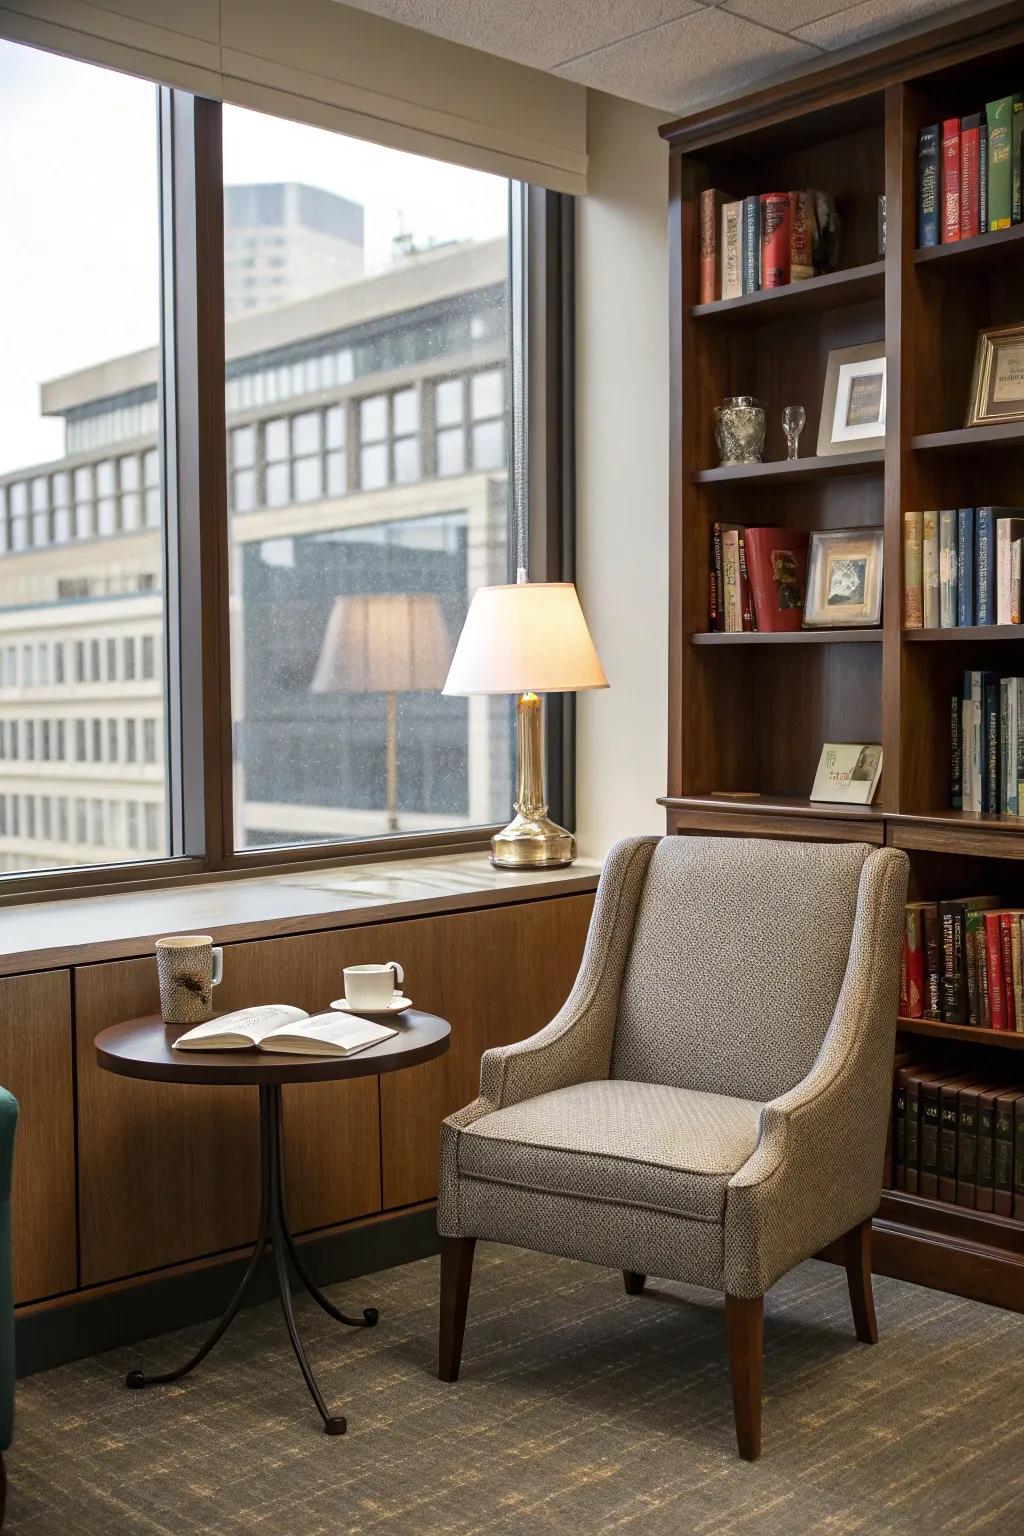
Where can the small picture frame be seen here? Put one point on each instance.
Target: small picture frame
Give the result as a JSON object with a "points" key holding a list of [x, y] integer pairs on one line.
{"points": [[853, 405], [844, 579], [997, 388], [848, 773]]}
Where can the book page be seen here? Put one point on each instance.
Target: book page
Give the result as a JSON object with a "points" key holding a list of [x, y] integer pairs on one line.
{"points": [[332, 1033], [246, 1026]]}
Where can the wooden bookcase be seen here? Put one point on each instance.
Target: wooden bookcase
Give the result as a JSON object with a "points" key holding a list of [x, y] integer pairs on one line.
{"points": [[748, 713]]}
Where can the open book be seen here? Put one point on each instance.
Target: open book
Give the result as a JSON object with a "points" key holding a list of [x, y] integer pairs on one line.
{"points": [[278, 1027]]}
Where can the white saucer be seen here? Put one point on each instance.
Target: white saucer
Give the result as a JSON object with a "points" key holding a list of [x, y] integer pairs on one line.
{"points": [[398, 1004]]}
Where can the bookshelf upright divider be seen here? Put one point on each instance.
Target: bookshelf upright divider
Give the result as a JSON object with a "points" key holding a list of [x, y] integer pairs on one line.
{"points": [[748, 713]]}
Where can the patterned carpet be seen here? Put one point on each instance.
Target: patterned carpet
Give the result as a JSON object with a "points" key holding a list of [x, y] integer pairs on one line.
{"points": [[580, 1410]]}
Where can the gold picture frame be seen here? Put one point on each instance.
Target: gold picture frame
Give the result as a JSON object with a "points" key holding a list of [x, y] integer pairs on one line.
{"points": [[997, 386], [844, 579]]}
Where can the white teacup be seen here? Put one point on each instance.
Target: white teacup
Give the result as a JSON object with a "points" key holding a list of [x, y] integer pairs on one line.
{"points": [[372, 986]]}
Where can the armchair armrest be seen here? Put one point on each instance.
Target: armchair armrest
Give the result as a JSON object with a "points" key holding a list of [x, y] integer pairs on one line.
{"points": [[816, 1170]]}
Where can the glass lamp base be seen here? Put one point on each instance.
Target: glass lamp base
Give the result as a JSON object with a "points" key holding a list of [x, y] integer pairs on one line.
{"points": [[532, 842]]}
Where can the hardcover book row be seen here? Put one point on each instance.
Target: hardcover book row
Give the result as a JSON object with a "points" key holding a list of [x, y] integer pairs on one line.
{"points": [[765, 241], [969, 176], [958, 1137], [962, 566], [986, 749], [962, 963]]}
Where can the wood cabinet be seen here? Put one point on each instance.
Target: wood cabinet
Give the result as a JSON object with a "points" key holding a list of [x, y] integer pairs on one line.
{"points": [[35, 1065]]}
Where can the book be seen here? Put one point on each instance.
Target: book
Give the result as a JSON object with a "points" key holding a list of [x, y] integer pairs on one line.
{"points": [[911, 1131], [716, 557], [930, 570], [965, 566], [1006, 927], [985, 566], [990, 744], [1015, 745], [913, 591], [949, 1116], [953, 924], [986, 1122], [1016, 168], [1003, 1150], [986, 1011], [711, 204], [848, 773], [947, 568], [746, 604], [801, 237], [1016, 978], [967, 1145], [1016, 562], [751, 244], [928, 1133], [1008, 528], [775, 239], [983, 178], [732, 611], [914, 949], [950, 180], [970, 206], [931, 932], [1018, 1158], [928, 185], [714, 612], [731, 257], [777, 568], [998, 115], [956, 765], [994, 964], [899, 1128], [279, 1027], [974, 963]]}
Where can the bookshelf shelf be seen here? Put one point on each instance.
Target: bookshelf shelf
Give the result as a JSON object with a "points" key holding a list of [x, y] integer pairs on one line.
{"points": [[788, 637], [749, 713], [966, 632], [1008, 434], [833, 290], [870, 461], [969, 1033], [1004, 248]]}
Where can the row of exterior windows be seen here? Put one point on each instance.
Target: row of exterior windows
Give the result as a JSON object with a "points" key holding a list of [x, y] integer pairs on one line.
{"points": [[113, 496], [79, 741], [99, 823], [115, 426], [127, 659], [380, 439]]}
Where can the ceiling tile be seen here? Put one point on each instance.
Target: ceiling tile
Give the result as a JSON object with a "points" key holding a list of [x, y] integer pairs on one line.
{"points": [[533, 32], [785, 15], [684, 63], [867, 20]]}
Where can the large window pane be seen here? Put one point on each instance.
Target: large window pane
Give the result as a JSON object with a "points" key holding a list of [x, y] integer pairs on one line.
{"points": [[80, 561], [377, 499]]}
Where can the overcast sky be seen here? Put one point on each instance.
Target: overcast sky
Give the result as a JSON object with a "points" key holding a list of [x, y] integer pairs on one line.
{"points": [[78, 245]]}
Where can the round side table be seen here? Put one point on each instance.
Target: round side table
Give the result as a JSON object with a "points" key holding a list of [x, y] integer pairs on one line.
{"points": [[143, 1048]]}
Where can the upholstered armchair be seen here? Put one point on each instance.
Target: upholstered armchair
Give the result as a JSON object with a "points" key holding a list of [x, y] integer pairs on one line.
{"points": [[710, 1105]]}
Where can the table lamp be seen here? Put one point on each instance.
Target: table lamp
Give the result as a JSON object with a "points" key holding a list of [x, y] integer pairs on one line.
{"points": [[527, 639], [387, 643]]}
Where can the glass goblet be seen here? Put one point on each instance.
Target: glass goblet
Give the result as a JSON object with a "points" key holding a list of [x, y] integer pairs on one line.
{"points": [[794, 418]]}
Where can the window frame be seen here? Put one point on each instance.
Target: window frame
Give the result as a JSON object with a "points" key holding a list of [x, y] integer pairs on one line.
{"points": [[195, 472]]}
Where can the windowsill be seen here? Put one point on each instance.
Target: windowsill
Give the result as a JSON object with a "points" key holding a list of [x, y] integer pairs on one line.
{"points": [[124, 926]]}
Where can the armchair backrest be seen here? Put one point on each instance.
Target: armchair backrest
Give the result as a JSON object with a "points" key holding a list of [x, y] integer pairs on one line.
{"points": [[738, 953]]}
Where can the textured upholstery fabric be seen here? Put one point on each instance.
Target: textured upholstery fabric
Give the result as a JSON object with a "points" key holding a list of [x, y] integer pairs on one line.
{"points": [[638, 1188], [736, 963], [666, 1149], [8, 1125]]}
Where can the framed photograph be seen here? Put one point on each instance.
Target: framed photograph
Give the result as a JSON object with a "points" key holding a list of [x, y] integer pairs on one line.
{"points": [[844, 579], [848, 773], [997, 389], [853, 406]]}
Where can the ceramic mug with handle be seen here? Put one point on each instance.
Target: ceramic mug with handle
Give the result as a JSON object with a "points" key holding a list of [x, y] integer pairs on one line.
{"points": [[189, 966], [372, 987]]}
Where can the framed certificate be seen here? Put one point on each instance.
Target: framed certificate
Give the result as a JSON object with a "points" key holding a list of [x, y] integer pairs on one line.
{"points": [[997, 389]]}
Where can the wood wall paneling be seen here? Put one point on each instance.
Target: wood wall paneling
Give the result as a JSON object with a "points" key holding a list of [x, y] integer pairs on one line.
{"points": [[35, 1065]]}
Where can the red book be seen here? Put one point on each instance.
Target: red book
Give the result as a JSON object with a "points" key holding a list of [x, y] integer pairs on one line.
{"points": [[1006, 948], [904, 979], [710, 236], [801, 237], [970, 176], [777, 566], [776, 218], [950, 180], [914, 950], [994, 966]]}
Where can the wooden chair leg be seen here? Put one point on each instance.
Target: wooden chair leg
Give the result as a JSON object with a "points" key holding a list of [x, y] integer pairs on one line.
{"points": [[744, 1326], [456, 1274], [857, 1257], [634, 1282]]}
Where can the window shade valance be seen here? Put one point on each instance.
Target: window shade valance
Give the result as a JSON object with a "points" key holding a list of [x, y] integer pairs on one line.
{"points": [[323, 63]]}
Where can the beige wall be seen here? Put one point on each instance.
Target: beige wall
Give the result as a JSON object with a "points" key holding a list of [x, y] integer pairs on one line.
{"points": [[622, 464]]}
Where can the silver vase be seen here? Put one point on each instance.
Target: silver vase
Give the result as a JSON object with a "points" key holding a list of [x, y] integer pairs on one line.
{"points": [[739, 430]]}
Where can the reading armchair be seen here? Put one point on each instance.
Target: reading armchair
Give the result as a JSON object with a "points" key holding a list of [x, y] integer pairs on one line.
{"points": [[710, 1105]]}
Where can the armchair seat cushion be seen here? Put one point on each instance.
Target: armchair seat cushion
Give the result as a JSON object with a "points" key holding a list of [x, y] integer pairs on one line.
{"points": [[658, 1148]]}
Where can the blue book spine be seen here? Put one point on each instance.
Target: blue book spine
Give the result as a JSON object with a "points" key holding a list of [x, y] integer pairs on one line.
{"points": [[751, 244], [965, 567], [990, 744], [985, 565], [1004, 745], [928, 186]]}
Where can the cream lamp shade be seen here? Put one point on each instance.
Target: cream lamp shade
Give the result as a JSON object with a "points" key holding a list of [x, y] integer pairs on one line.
{"points": [[383, 643], [531, 637]]}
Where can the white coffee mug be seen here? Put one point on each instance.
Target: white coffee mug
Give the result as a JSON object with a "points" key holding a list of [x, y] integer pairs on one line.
{"points": [[372, 986]]}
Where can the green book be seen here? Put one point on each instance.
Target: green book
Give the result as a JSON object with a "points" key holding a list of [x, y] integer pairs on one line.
{"points": [[1016, 172], [999, 115]]}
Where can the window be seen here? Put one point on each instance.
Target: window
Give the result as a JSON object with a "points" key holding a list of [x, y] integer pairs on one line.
{"points": [[80, 295]]}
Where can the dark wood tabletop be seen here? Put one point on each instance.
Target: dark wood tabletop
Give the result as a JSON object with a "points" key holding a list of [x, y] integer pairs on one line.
{"points": [[143, 1048]]}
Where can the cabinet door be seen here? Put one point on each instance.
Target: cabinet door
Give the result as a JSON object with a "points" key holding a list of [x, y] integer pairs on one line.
{"points": [[497, 975], [36, 1066]]}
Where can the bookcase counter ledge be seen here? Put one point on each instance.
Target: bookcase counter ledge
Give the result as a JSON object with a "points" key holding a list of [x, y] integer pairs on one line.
{"points": [[999, 434], [973, 1033], [965, 632], [868, 461], [865, 636], [832, 290], [995, 248]]}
